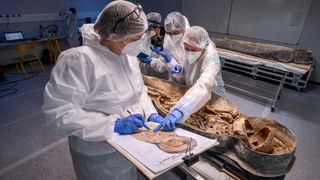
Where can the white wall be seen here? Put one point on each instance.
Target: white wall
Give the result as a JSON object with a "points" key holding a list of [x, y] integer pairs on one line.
{"points": [[274, 20], [212, 14], [163, 7], [309, 38]]}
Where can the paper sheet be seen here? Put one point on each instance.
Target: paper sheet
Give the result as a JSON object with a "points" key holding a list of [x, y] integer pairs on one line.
{"points": [[155, 159]]}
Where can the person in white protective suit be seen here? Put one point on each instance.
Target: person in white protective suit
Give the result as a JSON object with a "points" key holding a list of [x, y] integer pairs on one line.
{"points": [[201, 71], [175, 26], [72, 28], [172, 53], [152, 38], [93, 89], [154, 24]]}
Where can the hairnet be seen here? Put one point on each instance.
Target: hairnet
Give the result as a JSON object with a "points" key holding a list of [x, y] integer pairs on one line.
{"points": [[154, 18], [197, 36], [115, 12], [174, 21]]}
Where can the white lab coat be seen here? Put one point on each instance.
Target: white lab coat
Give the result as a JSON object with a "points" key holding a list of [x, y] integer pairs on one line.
{"points": [[72, 29], [90, 87], [203, 77]]}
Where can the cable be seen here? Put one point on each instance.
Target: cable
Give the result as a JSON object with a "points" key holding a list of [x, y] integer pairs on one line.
{"points": [[10, 90], [12, 84], [34, 73]]}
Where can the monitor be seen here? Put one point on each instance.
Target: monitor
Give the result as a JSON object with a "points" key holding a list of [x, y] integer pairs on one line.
{"points": [[13, 36]]}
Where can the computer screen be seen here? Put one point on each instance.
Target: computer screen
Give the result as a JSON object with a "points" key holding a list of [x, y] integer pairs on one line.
{"points": [[12, 36]]}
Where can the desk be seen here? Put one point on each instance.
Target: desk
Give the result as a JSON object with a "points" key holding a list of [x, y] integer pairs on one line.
{"points": [[5, 44], [9, 51]]}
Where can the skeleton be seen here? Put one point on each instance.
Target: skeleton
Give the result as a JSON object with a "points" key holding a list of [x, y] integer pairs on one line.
{"points": [[216, 120], [163, 99], [220, 116], [260, 138]]}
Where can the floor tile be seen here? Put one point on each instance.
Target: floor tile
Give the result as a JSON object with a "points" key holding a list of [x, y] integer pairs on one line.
{"points": [[53, 165]]}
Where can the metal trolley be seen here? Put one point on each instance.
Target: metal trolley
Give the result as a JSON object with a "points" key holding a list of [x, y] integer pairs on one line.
{"points": [[282, 77]]}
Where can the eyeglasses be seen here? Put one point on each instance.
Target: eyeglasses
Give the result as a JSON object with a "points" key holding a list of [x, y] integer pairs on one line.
{"points": [[152, 24], [137, 10], [175, 32]]}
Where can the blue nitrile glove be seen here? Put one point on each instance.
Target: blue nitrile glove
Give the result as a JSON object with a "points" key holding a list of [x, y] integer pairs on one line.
{"points": [[163, 53], [159, 119], [155, 118], [169, 121], [146, 60], [176, 69], [129, 124]]}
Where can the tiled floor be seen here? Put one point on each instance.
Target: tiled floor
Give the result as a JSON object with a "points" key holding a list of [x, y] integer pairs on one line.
{"points": [[28, 150]]}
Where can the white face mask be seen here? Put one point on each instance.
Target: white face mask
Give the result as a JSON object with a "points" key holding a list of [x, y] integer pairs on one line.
{"points": [[133, 48], [167, 42], [176, 38], [192, 56], [171, 41]]}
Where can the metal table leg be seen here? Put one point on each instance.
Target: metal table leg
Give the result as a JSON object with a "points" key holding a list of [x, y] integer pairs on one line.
{"points": [[279, 91]]}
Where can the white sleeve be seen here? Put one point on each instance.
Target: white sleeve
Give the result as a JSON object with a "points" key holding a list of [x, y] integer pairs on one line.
{"points": [[64, 97], [200, 93], [147, 104], [193, 100], [210, 69], [158, 64]]}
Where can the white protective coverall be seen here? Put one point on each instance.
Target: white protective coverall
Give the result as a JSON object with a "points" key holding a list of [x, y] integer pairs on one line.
{"points": [[151, 69], [175, 49], [89, 88], [72, 28], [203, 76]]}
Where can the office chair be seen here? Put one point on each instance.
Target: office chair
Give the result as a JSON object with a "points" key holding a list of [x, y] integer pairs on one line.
{"points": [[28, 54]]}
